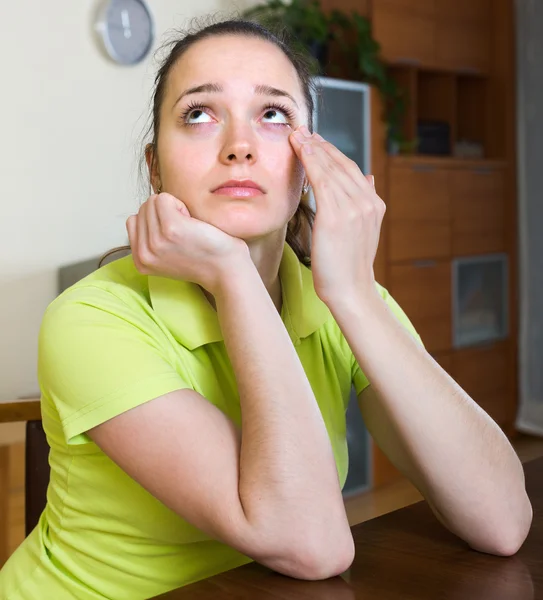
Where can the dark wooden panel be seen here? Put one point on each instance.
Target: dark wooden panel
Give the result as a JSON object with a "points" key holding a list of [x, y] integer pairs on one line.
{"points": [[483, 372], [444, 359], [425, 295]]}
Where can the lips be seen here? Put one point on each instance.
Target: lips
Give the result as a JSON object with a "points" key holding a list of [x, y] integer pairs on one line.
{"points": [[239, 184]]}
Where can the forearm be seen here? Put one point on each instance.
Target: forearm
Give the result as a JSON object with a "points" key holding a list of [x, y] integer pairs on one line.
{"points": [[288, 478], [466, 467]]}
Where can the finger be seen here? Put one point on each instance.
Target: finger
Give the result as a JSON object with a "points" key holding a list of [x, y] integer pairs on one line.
{"points": [[168, 209], [154, 233], [141, 228], [366, 182], [318, 175], [131, 228], [371, 180], [303, 143], [327, 175], [348, 164]]}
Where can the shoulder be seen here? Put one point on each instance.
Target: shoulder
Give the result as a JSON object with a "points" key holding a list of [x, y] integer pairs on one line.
{"points": [[113, 286], [109, 304]]}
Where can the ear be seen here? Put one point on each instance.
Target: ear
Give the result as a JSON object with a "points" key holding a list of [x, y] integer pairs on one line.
{"points": [[151, 159]]}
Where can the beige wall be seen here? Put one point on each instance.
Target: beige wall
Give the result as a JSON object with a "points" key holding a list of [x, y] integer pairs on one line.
{"points": [[70, 120]]}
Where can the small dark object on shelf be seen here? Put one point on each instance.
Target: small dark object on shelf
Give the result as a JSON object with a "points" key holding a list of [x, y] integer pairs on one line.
{"points": [[434, 138]]}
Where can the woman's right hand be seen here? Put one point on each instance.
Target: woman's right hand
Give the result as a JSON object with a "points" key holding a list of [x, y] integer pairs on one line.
{"points": [[166, 241]]}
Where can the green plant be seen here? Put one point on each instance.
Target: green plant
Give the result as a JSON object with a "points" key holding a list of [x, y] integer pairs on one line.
{"points": [[310, 27], [304, 19]]}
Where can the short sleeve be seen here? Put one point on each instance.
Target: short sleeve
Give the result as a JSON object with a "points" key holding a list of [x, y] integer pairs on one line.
{"points": [[359, 380], [99, 357]]}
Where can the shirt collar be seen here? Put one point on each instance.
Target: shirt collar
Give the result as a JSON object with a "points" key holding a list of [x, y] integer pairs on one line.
{"points": [[193, 322]]}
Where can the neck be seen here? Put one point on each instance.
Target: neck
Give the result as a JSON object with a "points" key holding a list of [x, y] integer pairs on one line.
{"points": [[266, 256]]}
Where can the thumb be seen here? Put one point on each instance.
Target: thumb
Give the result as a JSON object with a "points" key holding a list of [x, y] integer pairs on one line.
{"points": [[182, 208], [173, 202]]}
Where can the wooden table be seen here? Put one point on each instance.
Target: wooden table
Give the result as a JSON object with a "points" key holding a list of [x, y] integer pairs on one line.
{"points": [[22, 409], [404, 555]]}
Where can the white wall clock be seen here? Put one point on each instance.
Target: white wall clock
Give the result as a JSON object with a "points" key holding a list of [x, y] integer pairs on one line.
{"points": [[126, 30]]}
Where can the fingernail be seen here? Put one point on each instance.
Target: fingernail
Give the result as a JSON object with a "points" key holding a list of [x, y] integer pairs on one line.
{"points": [[302, 139], [305, 131]]}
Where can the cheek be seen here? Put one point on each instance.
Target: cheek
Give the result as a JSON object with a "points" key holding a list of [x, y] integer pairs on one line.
{"points": [[281, 160], [182, 168]]}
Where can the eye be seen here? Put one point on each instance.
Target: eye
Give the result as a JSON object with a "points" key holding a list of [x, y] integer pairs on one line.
{"points": [[194, 113], [280, 115]]}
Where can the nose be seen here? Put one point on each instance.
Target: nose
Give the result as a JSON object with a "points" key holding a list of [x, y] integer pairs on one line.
{"points": [[239, 144]]}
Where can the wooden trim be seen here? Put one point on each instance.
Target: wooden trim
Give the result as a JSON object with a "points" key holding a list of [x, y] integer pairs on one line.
{"points": [[446, 162], [504, 53], [20, 410]]}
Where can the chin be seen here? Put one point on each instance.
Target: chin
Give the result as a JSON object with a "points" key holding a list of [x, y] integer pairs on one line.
{"points": [[246, 226], [246, 231]]}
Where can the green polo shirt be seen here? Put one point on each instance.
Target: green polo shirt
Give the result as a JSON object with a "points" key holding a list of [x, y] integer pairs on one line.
{"points": [[111, 342]]}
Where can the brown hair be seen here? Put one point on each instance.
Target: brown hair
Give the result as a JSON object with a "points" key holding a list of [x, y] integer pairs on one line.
{"points": [[299, 227]]}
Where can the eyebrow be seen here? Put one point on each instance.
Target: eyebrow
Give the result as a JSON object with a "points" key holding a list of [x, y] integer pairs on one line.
{"points": [[261, 90]]}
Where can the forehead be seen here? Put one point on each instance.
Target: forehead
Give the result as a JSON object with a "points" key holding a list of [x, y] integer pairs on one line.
{"points": [[237, 62]]}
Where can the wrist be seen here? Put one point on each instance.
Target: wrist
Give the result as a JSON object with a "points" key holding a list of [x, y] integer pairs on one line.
{"points": [[236, 273], [356, 302]]}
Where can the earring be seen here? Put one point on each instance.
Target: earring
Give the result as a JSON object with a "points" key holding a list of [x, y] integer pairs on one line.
{"points": [[159, 189], [305, 189]]}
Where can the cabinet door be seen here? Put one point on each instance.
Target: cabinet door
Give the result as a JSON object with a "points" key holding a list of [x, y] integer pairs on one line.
{"points": [[477, 204], [463, 35], [418, 192], [414, 240], [483, 373], [405, 30], [466, 11], [424, 293], [463, 47], [419, 213]]}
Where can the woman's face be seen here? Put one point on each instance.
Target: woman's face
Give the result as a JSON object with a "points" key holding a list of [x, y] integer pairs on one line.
{"points": [[230, 105]]}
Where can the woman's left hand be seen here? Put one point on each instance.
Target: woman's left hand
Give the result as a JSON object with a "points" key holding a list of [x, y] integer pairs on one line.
{"points": [[348, 219]]}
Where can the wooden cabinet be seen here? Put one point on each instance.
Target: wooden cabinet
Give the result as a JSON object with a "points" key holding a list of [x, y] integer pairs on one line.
{"points": [[424, 293], [463, 35], [483, 373], [418, 192], [437, 212], [405, 30], [466, 11], [462, 47], [419, 213], [412, 240], [453, 35], [477, 205]]}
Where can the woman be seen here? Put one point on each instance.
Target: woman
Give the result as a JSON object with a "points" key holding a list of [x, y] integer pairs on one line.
{"points": [[194, 393]]}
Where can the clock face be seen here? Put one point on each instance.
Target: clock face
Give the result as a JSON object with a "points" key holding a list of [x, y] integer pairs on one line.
{"points": [[126, 30]]}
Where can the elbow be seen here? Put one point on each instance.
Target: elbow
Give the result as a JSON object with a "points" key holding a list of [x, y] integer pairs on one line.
{"points": [[509, 539], [314, 563]]}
